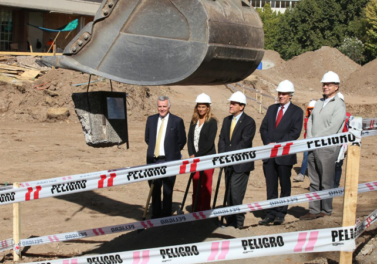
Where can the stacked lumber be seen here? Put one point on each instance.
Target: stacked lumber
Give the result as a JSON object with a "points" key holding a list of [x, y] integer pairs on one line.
{"points": [[24, 73]]}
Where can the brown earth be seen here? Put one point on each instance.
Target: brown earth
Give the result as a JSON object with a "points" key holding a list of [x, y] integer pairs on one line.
{"points": [[363, 81], [35, 147]]}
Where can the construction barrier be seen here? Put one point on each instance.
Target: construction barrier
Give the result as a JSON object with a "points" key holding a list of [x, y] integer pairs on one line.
{"points": [[93, 181], [96, 180], [214, 213], [320, 240]]}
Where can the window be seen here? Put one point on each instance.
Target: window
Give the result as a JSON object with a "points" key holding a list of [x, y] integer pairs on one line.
{"points": [[5, 29]]}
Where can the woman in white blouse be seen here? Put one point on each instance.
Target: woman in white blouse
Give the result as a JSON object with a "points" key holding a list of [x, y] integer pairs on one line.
{"points": [[201, 142]]}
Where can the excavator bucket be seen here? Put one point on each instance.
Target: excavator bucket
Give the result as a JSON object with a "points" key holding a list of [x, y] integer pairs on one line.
{"points": [[168, 42]]}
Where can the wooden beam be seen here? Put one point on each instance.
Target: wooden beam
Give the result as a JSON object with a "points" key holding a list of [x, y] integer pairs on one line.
{"points": [[16, 226], [350, 194], [13, 53]]}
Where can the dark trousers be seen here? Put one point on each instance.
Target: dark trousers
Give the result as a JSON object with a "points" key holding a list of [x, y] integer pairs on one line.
{"points": [[236, 184], [167, 184], [338, 173], [274, 174]]}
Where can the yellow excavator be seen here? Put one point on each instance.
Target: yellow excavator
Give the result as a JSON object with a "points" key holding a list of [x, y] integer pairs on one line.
{"points": [[168, 42]]}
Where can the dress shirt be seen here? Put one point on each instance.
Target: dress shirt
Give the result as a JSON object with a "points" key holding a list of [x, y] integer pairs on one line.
{"points": [[285, 109]]}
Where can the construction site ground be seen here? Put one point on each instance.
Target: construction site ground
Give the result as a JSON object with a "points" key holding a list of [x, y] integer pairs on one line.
{"points": [[36, 145]]}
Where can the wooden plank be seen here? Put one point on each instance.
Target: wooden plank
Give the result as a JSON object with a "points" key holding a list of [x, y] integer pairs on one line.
{"points": [[16, 226], [350, 194], [10, 67], [13, 53], [30, 74]]}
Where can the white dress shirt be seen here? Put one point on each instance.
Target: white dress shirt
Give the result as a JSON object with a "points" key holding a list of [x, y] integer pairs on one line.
{"points": [[284, 110]]}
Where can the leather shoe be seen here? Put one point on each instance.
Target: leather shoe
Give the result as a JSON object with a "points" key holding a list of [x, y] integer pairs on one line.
{"points": [[279, 220], [309, 216], [267, 220], [322, 214]]}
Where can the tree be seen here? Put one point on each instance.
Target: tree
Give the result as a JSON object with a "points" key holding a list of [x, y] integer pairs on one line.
{"points": [[371, 25], [353, 48], [316, 23], [270, 21]]}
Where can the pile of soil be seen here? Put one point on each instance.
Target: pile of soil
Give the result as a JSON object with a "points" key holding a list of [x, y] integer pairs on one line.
{"points": [[27, 103], [271, 59], [306, 70], [363, 81]]}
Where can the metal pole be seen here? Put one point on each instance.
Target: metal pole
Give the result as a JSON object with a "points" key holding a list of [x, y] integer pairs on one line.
{"points": [[187, 188], [217, 188], [148, 200]]}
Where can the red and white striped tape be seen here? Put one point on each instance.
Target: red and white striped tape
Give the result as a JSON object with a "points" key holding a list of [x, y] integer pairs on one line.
{"points": [[369, 123], [6, 244], [244, 208], [321, 240], [93, 181], [364, 225]]}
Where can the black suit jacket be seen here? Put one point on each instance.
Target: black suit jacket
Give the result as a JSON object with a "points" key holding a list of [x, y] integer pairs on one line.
{"points": [[242, 138], [175, 137], [206, 139], [288, 129]]}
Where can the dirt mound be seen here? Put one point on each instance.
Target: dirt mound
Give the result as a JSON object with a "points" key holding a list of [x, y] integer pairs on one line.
{"points": [[363, 81], [31, 101], [271, 59], [306, 70]]}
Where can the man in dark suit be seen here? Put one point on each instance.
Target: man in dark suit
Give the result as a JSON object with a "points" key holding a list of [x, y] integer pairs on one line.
{"points": [[283, 122], [165, 136], [237, 133]]}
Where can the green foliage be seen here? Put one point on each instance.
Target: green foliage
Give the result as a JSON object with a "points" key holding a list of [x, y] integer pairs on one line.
{"points": [[353, 48], [270, 21], [371, 28], [316, 23]]}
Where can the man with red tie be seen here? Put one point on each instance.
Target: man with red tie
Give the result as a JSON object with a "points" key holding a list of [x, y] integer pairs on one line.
{"points": [[283, 122]]}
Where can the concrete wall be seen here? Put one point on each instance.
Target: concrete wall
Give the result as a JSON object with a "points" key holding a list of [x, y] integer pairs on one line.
{"points": [[63, 6]]}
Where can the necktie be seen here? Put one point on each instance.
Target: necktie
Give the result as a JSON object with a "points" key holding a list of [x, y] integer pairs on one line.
{"points": [[158, 141], [233, 125], [280, 115]]}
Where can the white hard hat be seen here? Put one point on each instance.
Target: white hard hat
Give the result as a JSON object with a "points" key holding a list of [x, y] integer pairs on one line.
{"points": [[286, 87], [341, 96], [203, 98], [238, 97], [330, 77], [312, 104]]}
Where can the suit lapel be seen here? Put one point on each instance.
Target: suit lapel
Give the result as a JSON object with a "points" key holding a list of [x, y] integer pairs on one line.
{"points": [[275, 112]]}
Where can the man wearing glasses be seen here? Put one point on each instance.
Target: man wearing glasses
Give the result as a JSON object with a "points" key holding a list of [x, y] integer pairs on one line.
{"points": [[327, 118]]}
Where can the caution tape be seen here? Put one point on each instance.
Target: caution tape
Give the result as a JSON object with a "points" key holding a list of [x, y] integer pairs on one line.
{"points": [[369, 123], [6, 244], [364, 225], [3, 188], [320, 240], [92, 181], [244, 208]]}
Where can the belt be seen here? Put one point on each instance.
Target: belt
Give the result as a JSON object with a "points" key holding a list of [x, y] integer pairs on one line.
{"points": [[159, 157]]}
